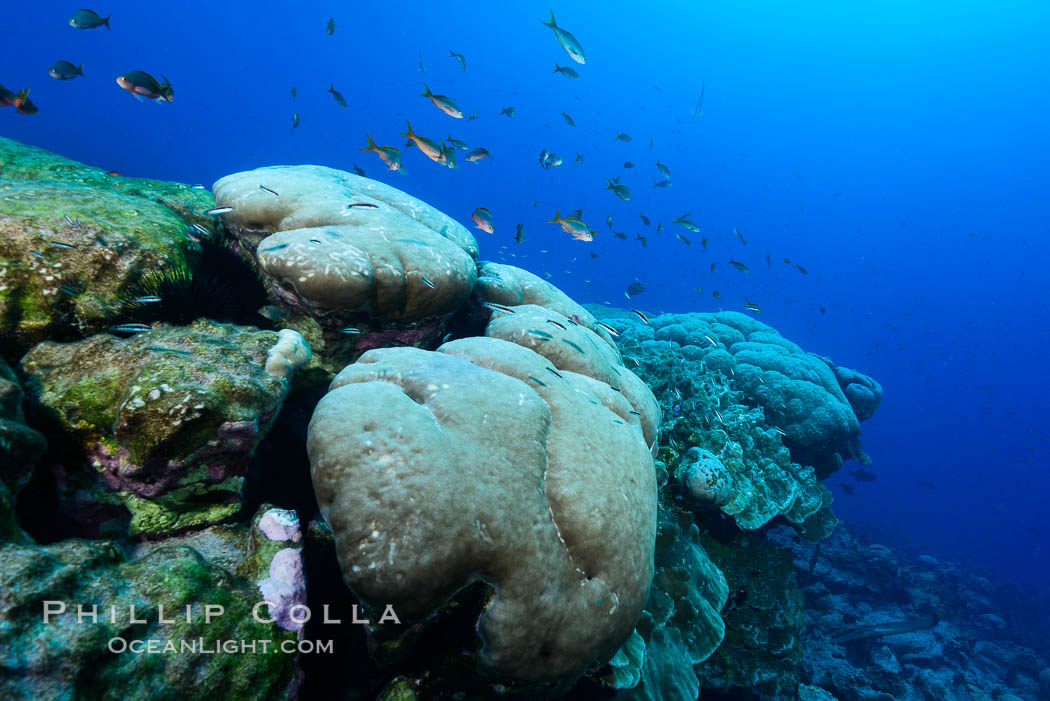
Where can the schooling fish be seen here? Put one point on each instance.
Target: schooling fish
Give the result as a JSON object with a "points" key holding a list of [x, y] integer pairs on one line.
{"points": [[567, 41], [266, 189], [461, 58], [686, 223], [86, 19], [661, 183], [443, 103], [739, 266], [566, 71], [477, 154], [295, 120], [573, 226], [752, 307], [336, 95], [482, 218], [740, 236], [218, 210], [664, 170], [621, 191], [568, 120], [64, 70], [388, 154], [330, 27], [432, 151], [624, 137], [519, 234], [461, 145], [509, 111], [143, 85]]}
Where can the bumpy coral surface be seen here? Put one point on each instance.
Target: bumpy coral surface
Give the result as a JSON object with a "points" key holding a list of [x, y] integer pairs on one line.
{"points": [[703, 409], [798, 391], [435, 469], [570, 345], [339, 251], [159, 426]]}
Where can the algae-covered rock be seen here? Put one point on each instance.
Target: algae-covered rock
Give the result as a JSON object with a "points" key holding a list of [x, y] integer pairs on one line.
{"points": [[338, 251], [124, 599], [20, 446], [10, 530], [764, 620], [72, 238], [153, 433], [438, 469]]}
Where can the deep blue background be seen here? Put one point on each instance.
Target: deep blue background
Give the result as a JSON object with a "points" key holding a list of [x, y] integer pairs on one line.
{"points": [[898, 150]]}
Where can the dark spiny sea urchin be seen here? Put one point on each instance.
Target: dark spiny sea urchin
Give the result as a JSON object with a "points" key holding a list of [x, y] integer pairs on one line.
{"points": [[218, 286]]}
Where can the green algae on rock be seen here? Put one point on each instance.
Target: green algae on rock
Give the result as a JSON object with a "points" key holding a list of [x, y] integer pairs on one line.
{"points": [[69, 658], [158, 428], [72, 238], [20, 162]]}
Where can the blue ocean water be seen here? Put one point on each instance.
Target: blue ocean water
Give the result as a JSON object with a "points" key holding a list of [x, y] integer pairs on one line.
{"points": [[897, 151]]}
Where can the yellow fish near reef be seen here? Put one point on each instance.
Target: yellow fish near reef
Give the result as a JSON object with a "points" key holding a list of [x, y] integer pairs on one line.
{"points": [[432, 150], [573, 226], [443, 103], [390, 155]]}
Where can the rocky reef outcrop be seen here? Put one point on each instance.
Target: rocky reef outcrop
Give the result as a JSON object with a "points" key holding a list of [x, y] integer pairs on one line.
{"points": [[493, 489]]}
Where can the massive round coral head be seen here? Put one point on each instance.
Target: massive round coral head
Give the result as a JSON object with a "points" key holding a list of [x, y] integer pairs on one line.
{"points": [[327, 240], [435, 469]]}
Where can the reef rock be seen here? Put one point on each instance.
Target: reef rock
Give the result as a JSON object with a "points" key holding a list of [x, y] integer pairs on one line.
{"points": [[152, 434], [435, 469], [72, 239], [65, 656], [20, 446], [339, 251]]}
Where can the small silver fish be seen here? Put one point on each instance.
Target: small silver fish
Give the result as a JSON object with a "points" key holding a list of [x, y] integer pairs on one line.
{"points": [[130, 328], [146, 299], [349, 330], [219, 210], [428, 283], [498, 307], [63, 244], [264, 189]]}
